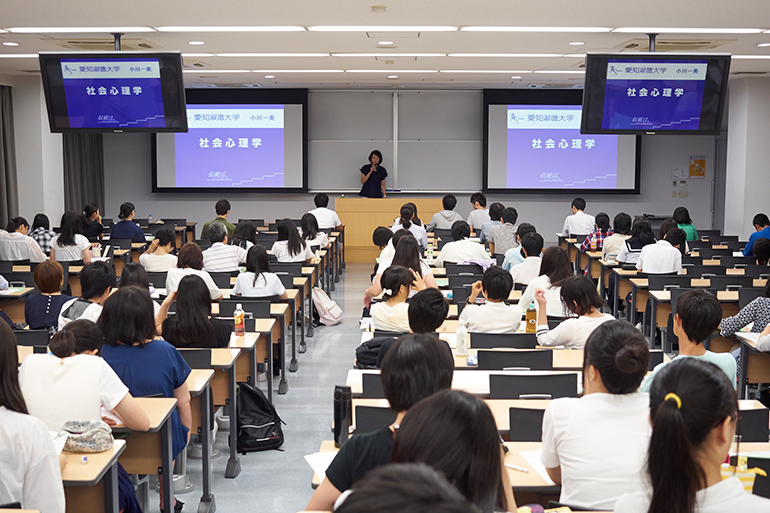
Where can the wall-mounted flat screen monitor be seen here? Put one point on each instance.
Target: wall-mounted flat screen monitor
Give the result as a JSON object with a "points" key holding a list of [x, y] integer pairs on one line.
{"points": [[628, 93], [114, 91]]}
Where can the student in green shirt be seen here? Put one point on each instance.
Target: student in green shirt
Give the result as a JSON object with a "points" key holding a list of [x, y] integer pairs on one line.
{"points": [[698, 314], [683, 221], [223, 210]]}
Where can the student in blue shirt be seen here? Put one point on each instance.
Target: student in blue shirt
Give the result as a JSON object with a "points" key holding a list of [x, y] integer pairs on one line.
{"points": [[762, 226], [127, 228]]}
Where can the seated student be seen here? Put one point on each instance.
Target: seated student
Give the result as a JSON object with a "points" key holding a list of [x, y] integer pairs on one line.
{"points": [[594, 446], [641, 236], [601, 232], [192, 324], [222, 209], [41, 232], [503, 237], [479, 214], [30, 468], [761, 250], [382, 238], [405, 488], [446, 218], [69, 245], [221, 257], [693, 413], [290, 247], [159, 257], [406, 221], [91, 223], [461, 248], [258, 281], [326, 217], [554, 267], [245, 235], [761, 231], [126, 228], [683, 221], [415, 219], [41, 311], [756, 313], [763, 343], [514, 256], [417, 366], [529, 269], [97, 280], [457, 420], [579, 296], [407, 255], [698, 314], [620, 233], [190, 261], [145, 365], [134, 274], [390, 314], [16, 245], [665, 256], [579, 223], [495, 219], [311, 234], [494, 316]]}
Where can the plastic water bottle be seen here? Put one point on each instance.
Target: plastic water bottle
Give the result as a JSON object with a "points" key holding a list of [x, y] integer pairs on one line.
{"points": [[531, 318], [149, 219], [240, 325], [429, 253], [461, 346]]}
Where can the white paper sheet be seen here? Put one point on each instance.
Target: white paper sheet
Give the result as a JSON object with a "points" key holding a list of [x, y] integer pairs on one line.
{"points": [[533, 458], [58, 441], [319, 462]]}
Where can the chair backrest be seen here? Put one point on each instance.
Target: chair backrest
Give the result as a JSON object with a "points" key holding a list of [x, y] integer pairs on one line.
{"points": [[157, 280], [731, 282], [221, 279], [142, 221], [121, 243], [372, 418], [267, 238], [667, 281], [541, 386], [259, 308], [756, 271], [526, 424], [204, 244], [553, 321], [691, 260], [503, 340], [656, 358], [707, 234], [700, 271], [753, 425], [272, 226], [106, 222], [24, 277], [456, 280], [154, 228], [520, 359], [32, 337], [719, 239], [747, 295], [463, 269], [460, 295], [384, 333], [735, 261], [499, 258], [175, 222], [443, 233], [6, 266], [291, 268], [257, 222], [372, 386], [197, 358], [287, 280], [708, 252]]}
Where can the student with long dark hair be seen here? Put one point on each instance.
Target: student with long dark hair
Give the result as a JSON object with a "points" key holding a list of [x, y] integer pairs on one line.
{"points": [[311, 233], [554, 267], [408, 221], [693, 412], [245, 235], [682, 218], [16, 245], [159, 257], [30, 471], [41, 232], [134, 274], [126, 228], [391, 314], [621, 231], [69, 245], [594, 446], [290, 247], [258, 281], [192, 325], [641, 236], [455, 433], [407, 255], [91, 223]]}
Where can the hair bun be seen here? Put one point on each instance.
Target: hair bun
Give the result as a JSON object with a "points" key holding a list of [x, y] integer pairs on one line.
{"points": [[631, 358]]}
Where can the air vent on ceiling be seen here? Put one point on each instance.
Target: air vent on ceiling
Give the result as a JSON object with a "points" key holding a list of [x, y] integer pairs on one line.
{"points": [[104, 44], [191, 64], [749, 73], [673, 45], [396, 59], [390, 36]]}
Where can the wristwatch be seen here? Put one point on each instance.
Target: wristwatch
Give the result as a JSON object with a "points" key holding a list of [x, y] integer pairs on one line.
{"points": [[470, 301]]}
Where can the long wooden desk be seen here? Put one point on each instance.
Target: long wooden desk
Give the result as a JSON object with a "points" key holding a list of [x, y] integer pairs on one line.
{"points": [[92, 487], [223, 387], [198, 383], [754, 365], [13, 304], [259, 344]]}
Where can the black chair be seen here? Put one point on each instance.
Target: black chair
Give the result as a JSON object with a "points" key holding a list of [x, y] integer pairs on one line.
{"points": [[707, 234], [107, 222], [721, 239], [460, 295], [287, 280], [667, 281], [731, 282], [272, 226], [704, 271], [371, 386], [466, 269], [154, 228], [520, 359], [383, 333], [532, 386], [553, 321], [6, 266], [733, 261], [158, 280], [196, 358], [756, 271], [120, 243], [221, 279], [291, 268], [32, 337], [503, 340], [443, 233], [257, 222], [175, 222], [656, 358], [711, 253], [372, 418], [526, 424], [499, 259], [753, 425], [462, 279], [22, 279], [747, 295], [204, 244], [691, 260], [258, 308], [142, 221], [572, 507]]}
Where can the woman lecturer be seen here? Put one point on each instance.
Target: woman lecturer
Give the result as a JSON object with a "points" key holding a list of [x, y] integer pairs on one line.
{"points": [[373, 177]]}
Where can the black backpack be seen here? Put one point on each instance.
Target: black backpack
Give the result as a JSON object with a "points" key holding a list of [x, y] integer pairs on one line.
{"points": [[368, 353], [259, 426]]}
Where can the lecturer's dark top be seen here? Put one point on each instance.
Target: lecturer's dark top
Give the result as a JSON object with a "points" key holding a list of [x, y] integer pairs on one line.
{"points": [[373, 188]]}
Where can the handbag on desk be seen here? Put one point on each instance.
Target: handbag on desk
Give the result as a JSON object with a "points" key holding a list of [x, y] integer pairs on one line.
{"points": [[87, 436]]}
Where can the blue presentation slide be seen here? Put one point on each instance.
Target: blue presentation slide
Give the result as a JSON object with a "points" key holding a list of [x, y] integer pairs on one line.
{"points": [[113, 93]]}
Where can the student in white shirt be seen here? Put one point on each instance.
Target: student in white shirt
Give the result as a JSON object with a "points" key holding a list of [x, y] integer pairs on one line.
{"points": [[579, 223], [579, 296], [222, 257], [326, 217], [665, 256], [494, 316], [311, 234], [391, 314], [446, 218], [190, 261], [495, 219], [554, 267], [641, 236], [30, 468], [407, 222], [159, 257], [407, 255], [97, 279], [596, 446], [693, 413], [15, 244], [479, 215], [382, 237], [70, 246], [258, 281], [515, 255], [621, 227], [290, 247], [461, 248], [529, 269], [245, 235]]}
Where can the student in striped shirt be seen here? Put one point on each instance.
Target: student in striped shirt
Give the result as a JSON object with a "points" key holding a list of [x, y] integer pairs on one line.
{"points": [[221, 257]]}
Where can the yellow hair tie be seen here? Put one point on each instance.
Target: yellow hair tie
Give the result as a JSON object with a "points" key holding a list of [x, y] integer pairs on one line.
{"points": [[675, 397]]}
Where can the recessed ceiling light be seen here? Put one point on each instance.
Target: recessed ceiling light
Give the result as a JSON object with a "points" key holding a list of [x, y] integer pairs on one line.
{"points": [[506, 55], [18, 56], [560, 71], [385, 43], [516, 78], [576, 43], [269, 76], [379, 9], [533, 29], [686, 30], [751, 56], [10, 43], [216, 71], [277, 71], [267, 28], [388, 55], [392, 76], [193, 55], [506, 72], [382, 28], [391, 71], [278, 54], [196, 42], [60, 30], [760, 44]]}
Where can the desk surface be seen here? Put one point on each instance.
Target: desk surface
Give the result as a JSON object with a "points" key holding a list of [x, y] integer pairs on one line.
{"points": [[724, 296], [224, 358], [158, 409], [77, 474], [16, 294], [198, 380], [246, 341], [23, 352]]}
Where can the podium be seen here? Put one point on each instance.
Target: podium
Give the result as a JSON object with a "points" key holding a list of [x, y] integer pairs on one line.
{"points": [[362, 215]]}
